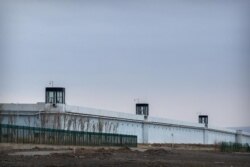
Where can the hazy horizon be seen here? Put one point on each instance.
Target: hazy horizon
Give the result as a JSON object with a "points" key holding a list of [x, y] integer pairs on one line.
{"points": [[182, 57]]}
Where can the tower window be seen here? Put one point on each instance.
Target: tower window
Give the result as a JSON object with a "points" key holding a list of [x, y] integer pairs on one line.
{"points": [[55, 95]]}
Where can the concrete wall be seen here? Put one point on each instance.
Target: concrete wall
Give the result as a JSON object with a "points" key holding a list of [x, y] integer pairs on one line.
{"points": [[218, 136], [150, 130], [245, 139]]}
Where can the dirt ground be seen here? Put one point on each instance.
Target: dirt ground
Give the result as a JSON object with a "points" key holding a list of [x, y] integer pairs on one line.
{"points": [[143, 155]]}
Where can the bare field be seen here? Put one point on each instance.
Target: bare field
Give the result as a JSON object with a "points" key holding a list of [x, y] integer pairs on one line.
{"points": [[143, 155]]}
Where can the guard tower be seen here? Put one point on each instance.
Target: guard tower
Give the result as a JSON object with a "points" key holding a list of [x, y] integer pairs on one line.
{"points": [[203, 119], [142, 109], [55, 95]]}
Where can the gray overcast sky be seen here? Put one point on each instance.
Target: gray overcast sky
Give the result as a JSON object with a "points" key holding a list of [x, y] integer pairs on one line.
{"points": [[183, 57]]}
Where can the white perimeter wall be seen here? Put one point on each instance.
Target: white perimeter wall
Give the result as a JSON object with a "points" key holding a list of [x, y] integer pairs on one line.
{"points": [[150, 130], [218, 136]]}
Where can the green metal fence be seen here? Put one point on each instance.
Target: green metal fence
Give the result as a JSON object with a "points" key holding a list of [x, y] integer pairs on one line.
{"points": [[234, 147], [34, 135]]}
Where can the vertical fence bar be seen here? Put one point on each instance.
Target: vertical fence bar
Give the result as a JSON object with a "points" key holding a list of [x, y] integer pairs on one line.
{"points": [[0, 133]]}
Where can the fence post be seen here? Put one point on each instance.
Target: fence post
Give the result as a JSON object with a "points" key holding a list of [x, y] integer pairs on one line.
{"points": [[17, 136], [0, 133], [8, 132]]}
